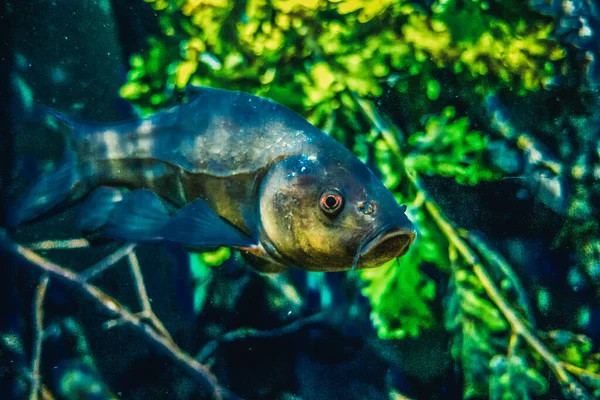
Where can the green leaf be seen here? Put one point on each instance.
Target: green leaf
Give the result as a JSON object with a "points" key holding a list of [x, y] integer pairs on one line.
{"points": [[433, 89], [448, 148], [513, 379], [400, 293], [201, 267]]}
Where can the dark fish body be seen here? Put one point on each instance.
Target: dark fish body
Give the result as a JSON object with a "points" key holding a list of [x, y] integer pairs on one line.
{"points": [[252, 170], [215, 147]]}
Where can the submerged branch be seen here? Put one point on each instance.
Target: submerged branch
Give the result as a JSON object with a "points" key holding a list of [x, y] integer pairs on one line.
{"points": [[247, 333], [38, 317], [107, 262], [140, 289], [581, 372], [112, 307], [496, 260], [66, 244]]}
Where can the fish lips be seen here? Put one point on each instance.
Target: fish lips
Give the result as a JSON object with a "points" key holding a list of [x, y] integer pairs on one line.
{"points": [[389, 243]]}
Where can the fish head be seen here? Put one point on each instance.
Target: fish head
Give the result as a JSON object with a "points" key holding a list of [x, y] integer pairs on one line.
{"points": [[331, 213]]}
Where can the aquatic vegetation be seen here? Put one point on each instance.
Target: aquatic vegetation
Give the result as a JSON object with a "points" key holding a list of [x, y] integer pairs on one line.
{"points": [[448, 148], [200, 265], [258, 46]]}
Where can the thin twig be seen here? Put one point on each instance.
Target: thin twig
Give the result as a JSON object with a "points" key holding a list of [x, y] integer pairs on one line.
{"points": [[246, 333], [38, 316], [142, 295], [14, 345], [495, 259], [67, 244], [46, 393], [580, 371], [107, 262], [513, 343], [202, 374]]}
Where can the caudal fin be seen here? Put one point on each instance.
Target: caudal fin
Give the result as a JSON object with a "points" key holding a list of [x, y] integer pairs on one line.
{"points": [[50, 189], [76, 129]]}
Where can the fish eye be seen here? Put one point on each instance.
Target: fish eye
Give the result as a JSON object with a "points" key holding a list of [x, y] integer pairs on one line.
{"points": [[331, 202]]}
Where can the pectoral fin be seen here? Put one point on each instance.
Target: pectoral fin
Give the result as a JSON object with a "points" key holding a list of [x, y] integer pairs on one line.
{"points": [[96, 209], [139, 217], [197, 225]]}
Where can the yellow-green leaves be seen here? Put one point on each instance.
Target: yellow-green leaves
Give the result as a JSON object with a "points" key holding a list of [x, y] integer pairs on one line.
{"points": [[401, 297], [366, 10], [513, 379], [322, 75], [433, 89], [201, 269], [133, 90], [320, 85], [184, 71], [400, 293], [355, 45], [449, 148]]}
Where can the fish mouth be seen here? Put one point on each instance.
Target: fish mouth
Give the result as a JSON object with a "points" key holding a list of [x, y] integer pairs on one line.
{"points": [[386, 245]]}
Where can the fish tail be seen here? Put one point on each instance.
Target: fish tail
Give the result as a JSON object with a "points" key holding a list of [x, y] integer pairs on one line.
{"points": [[52, 187], [47, 192], [76, 129]]}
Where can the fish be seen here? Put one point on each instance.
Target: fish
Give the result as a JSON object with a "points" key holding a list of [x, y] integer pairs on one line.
{"points": [[225, 169]]}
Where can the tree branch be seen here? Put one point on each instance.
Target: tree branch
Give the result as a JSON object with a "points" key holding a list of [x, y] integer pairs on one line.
{"points": [[140, 289], [107, 262], [246, 333], [38, 316], [545, 174], [112, 307], [495, 259], [66, 244], [493, 292]]}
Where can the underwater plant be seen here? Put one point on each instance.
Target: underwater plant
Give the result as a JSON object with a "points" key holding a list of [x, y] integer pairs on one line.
{"points": [[423, 92]]}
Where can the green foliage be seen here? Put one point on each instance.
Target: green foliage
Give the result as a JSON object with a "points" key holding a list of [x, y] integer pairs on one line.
{"points": [[400, 296], [201, 266], [78, 383], [512, 378], [479, 330], [448, 148], [400, 293], [321, 48], [483, 335], [481, 340], [574, 349]]}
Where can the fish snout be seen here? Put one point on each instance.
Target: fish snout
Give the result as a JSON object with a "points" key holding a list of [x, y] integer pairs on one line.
{"points": [[391, 242]]}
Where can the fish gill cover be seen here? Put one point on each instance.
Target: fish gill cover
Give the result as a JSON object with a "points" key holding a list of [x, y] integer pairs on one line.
{"points": [[481, 116]]}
